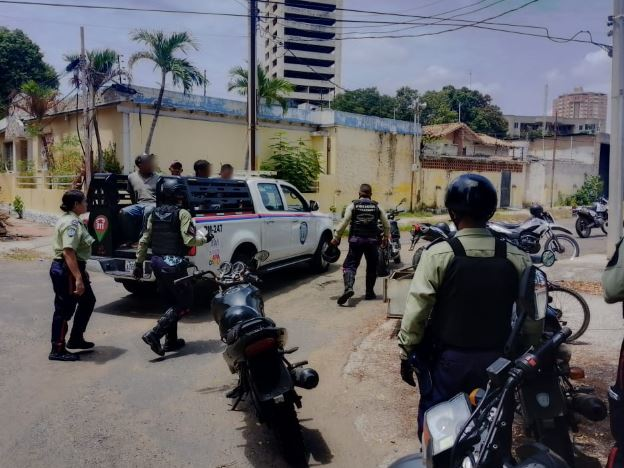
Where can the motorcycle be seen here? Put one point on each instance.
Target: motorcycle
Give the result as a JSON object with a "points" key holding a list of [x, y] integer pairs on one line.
{"points": [[457, 435], [255, 350], [590, 217], [528, 235], [391, 251], [428, 232]]}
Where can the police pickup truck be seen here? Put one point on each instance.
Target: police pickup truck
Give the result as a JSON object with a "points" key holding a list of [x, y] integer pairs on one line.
{"points": [[245, 215]]}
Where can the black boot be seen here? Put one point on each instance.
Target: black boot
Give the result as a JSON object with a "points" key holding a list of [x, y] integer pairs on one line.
{"points": [[172, 342], [79, 343], [370, 288], [60, 353], [153, 341], [349, 281], [165, 322]]}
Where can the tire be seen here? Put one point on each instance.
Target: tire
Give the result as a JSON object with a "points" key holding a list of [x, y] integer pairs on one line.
{"points": [[556, 437], [383, 263], [582, 227], [573, 310], [243, 254], [287, 431], [318, 264], [416, 257], [397, 259], [603, 228], [139, 288], [567, 246]]}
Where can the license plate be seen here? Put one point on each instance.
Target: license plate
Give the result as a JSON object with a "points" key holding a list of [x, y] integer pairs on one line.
{"points": [[130, 264]]}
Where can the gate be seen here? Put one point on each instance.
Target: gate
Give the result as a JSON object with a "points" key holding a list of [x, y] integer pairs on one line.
{"points": [[505, 196]]}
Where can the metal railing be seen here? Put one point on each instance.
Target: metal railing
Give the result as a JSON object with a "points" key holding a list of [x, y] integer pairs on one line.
{"points": [[61, 182]]}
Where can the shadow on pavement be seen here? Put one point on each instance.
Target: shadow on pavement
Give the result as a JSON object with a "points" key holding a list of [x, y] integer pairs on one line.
{"points": [[150, 307], [262, 449], [101, 354], [198, 347]]}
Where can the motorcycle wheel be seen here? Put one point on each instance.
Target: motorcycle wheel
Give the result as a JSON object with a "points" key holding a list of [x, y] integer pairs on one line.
{"points": [[556, 437], [572, 310], [416, 257], [383, 263], [563, 246], [285, 426], [604, 228], [397, 259], [582, 227]]}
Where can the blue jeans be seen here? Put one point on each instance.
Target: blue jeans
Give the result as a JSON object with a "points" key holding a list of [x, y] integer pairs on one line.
{"points": [[133, 220]]}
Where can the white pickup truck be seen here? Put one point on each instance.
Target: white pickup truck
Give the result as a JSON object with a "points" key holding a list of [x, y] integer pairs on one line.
{"points": [[245, 215]]}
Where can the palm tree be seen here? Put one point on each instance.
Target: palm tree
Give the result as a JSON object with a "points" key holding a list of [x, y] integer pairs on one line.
{"points": [[271, 90], [161, 50], [103, 68], [37, 100]]}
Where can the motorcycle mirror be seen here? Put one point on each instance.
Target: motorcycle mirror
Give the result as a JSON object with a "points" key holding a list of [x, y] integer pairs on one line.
{"points": [[261, 256], [548, 258]]}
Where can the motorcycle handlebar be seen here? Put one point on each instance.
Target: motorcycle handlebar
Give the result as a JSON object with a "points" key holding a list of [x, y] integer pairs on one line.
{"points": [[196, 275]]}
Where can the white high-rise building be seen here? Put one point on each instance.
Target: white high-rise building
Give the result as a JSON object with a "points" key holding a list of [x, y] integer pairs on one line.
{"points": [[299, 44]]}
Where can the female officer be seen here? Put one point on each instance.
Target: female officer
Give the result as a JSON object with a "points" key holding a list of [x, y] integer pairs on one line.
{"points": [[72, 247]]}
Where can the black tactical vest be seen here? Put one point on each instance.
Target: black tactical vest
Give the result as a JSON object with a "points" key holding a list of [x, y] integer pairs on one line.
{"points": [[166, 236], [364, 219], [474, 305]]}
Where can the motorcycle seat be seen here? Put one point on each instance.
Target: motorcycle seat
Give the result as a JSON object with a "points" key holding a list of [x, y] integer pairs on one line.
{"points": [[507, 225], [247, 327]]}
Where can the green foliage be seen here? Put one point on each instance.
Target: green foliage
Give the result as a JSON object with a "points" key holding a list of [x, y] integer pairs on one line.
{"points": [[20, 61], [590, 191], [68, 159], [111, 164], [477, 110], [18, 206], [295, 163], [271, 90], [25, 168]]}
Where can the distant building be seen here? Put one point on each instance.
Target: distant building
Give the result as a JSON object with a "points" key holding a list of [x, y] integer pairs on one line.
{"points": [[532, 126], [299, 44], [581, 105]]}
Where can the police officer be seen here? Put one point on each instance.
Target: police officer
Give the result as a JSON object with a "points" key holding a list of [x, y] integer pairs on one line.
{"points": [[170, 232], [362, 217], [458, 312], [73, 295]]}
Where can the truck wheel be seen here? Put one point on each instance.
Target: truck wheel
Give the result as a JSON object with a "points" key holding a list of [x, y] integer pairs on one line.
{"points": [[244, 254], [318, 263], [140, 289]]}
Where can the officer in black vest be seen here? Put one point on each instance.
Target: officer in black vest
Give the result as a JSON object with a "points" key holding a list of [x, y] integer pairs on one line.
{"points": [[459, 308], [362, 217], [170, 232]]}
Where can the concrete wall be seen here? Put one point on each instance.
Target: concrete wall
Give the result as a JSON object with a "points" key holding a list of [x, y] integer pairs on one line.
{"points": [[569, 177], [36, 199]]}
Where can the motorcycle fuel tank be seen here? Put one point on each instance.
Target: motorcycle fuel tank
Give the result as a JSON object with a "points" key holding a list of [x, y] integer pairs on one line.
{"points": [[241, 295]]}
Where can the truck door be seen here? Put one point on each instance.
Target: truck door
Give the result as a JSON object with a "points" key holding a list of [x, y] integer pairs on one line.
{"points": [[304, 238], [276, 226]]}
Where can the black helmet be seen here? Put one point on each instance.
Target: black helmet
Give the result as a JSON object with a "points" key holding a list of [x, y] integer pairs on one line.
{"points": [[472, 195], [235, 315], [170, 190], [331, 253], [536, 211]]}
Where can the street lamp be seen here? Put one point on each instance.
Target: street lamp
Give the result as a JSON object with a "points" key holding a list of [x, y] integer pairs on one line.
{"points": [[417, 107]]}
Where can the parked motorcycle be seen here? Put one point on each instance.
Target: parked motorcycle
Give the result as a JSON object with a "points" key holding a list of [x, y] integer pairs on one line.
{"points": [[528, 235], [429, 232], [392, 250], [590, 217], [256, 352]]}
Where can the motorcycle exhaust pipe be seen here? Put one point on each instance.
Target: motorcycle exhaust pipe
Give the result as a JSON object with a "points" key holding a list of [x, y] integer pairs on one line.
{"points": [[305, 377], [590, 407]]}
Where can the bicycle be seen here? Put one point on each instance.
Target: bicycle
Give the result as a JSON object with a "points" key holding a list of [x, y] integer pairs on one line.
{"points": [[570, 309]]}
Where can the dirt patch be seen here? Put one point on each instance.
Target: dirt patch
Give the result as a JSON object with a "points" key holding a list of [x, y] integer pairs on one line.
{"points": [[20, 229], [586, 287], [23, 255]]}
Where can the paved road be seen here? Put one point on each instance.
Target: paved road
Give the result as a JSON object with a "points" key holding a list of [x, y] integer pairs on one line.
{"points": [[120, 407]]}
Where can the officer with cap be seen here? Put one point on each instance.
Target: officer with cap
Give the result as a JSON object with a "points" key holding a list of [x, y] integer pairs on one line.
{"points": [[362, 217], [170, 232], [73, 295], [459, 308]]}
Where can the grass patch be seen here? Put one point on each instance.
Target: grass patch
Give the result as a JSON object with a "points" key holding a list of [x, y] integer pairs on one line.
{"points": [[23, 255]]}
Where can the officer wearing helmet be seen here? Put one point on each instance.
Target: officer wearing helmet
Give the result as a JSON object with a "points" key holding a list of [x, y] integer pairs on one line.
{"points": [[170, 232], [458, 312]]}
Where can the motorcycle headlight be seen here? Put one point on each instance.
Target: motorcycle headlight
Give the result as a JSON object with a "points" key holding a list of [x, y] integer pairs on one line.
{"points": [[443, 423]]}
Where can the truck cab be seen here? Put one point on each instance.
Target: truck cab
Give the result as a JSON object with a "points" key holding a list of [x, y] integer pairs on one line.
{"points": [[244, 214]]}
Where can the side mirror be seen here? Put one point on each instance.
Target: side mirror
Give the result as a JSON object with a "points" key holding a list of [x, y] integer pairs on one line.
{"points": [[314, 206], [261, 256], [548, 258]]}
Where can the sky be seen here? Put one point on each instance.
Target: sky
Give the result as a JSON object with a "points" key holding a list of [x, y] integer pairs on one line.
{"points": [[513, 69]]}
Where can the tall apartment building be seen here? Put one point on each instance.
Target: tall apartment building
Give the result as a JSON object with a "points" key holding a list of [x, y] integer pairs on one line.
{"points": [[581, 105], [299, 44]]}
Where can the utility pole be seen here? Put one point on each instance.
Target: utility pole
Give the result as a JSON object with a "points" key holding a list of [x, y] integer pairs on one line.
{"points": [[251, 86], [205, 83], [544, 122], [417, 106], [552, 175], [617, 133], [84, 81], [459, 113]]}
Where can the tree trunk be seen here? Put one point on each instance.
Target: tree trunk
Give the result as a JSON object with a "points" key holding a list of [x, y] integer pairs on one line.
{"points": [[46, 152], [96, 130], [148, 143]]}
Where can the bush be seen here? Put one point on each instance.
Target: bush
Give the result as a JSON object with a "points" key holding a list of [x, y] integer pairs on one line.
{"points": [[111, 164], [68, 158], [18, 206], [590, 191], [295, 163]]}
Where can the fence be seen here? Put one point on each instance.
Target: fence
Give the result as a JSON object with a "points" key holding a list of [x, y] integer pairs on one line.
{"points": [[40, 193], [44, 181]]}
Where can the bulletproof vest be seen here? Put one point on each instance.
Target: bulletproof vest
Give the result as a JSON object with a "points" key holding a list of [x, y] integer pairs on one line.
{"points": [[474, 304], [166, 236], [364, 219]]}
